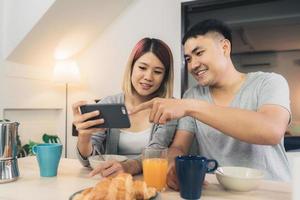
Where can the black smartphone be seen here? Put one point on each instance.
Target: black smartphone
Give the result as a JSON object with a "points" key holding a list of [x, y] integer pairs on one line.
{"points": [[114, 115]]}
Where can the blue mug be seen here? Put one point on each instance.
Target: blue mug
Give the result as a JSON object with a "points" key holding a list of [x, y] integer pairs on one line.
{"points": [[191, 172], [48, 157]]}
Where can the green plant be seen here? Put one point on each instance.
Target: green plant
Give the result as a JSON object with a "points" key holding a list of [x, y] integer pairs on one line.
{"points": [[51, 138], [26, 149]]}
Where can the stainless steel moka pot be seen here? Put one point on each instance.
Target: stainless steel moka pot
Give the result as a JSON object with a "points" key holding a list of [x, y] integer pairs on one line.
{"points": [[9, 170]]}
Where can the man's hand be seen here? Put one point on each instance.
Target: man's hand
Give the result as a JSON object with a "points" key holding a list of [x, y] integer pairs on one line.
{"points": [[163, 110], [172, 180], [108, 168]]}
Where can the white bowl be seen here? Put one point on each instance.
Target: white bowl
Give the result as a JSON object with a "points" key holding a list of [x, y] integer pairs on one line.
{"points": [[240, 179], [96, 160]]}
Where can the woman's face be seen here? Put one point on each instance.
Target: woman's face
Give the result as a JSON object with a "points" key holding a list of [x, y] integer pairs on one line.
{"points": [[147, 74]]}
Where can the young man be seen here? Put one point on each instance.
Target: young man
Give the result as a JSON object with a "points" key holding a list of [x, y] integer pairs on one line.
{"points": [[238, 119]]}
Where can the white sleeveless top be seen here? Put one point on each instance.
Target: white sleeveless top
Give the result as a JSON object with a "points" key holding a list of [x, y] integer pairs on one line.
{"points": [[131, 144]]}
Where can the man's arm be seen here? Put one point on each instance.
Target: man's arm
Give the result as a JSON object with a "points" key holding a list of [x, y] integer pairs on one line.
{"points": [[180, 146], [265, 126], [132, 166]]}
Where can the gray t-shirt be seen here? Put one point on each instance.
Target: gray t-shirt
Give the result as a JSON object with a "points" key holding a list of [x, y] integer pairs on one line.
{"points": [[259, 89]]}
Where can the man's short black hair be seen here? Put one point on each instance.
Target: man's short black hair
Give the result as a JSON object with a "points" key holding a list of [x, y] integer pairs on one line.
{"points": [[208, 25]]}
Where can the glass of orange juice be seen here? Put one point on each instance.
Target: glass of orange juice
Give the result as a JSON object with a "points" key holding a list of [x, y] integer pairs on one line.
{"points": [[155, 167]]}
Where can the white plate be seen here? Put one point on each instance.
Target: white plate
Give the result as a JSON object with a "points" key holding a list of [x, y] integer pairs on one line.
{"points": [[73, 195]]}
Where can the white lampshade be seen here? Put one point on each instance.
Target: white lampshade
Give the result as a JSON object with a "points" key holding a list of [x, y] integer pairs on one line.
{"points": [[66, 71]]}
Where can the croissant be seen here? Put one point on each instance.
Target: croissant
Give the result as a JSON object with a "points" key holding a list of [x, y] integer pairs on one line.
{"points": [[102, 189], [141, 191], [123, 182], [122, 187], [84, 195]]}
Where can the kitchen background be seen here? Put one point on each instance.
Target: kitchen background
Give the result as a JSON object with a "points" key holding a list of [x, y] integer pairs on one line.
{"points": [[99, 35]]}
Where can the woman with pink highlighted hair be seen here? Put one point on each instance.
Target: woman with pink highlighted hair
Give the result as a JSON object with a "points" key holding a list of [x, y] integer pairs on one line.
{"points": [[148, 74]]}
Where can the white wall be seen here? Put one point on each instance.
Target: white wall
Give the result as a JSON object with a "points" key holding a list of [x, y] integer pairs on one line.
{"points": [[1, 28], [30, 91], [103, 63], [27, 93], [18, 19], [65, 29]]}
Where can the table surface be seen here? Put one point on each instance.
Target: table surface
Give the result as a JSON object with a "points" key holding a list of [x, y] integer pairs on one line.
{"points": [[72, 177]]}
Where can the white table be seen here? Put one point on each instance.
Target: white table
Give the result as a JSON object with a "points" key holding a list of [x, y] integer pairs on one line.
{"points": [[72, 177]]}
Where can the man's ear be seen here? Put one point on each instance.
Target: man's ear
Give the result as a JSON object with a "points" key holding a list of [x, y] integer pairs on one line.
{"points": [[226, 45]]}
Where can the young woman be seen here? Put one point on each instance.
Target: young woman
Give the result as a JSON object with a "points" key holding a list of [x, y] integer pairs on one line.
{"points": [[149, 74]]}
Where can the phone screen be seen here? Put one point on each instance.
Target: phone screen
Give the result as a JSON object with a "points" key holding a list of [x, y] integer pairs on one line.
{"points": [[114, 115]]}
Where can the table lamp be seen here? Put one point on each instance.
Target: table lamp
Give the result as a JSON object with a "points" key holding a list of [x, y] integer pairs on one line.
{"points": [[66, 72]]}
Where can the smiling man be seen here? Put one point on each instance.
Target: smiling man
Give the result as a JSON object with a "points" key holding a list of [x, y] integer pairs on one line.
{"points": [[238, 119]]}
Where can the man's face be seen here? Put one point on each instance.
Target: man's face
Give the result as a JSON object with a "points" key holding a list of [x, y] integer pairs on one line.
{"points": [[206, 58]]}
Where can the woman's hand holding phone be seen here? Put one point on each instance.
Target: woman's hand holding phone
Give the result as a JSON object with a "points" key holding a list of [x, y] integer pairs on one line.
{"points": [[81, 122]]}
